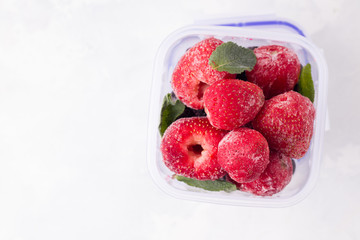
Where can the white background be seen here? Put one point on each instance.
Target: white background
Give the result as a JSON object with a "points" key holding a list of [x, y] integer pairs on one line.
{"points": [[75, 82]]}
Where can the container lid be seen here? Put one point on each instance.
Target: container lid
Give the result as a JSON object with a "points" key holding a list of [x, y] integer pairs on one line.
{"points": [[263, 22]]}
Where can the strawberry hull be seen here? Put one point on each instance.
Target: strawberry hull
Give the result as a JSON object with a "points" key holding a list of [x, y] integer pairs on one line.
{"points": [[307, 167]]}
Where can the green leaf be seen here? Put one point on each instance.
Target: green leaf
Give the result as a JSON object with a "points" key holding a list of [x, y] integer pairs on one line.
{"points": [[305, 85], [171, 109], [232, 58], [216, 185]]}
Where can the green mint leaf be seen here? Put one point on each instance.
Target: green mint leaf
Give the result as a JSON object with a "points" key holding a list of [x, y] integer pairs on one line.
{"points": [[305, 85], [171, 109], [216, 185], [232, 58]]}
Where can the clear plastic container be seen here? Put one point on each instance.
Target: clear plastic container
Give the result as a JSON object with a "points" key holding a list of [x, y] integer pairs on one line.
{"points": [[245, 33]]}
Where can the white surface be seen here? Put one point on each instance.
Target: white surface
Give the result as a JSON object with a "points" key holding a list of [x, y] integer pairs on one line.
{"points": [[74, 87]]}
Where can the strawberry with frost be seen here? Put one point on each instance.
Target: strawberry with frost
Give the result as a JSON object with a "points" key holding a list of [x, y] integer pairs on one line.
{"points": [[274, 179], [287, 122], [276, 71], [193, 74], [244, 154], [189, 148], [231, 103]]}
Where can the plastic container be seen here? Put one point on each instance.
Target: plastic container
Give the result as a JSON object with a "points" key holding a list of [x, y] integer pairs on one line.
{"points": [[245, 33]]}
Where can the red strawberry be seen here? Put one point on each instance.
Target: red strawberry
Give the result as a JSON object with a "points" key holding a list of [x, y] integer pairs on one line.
{"points": [[244, 154], [193, 74], [276, 71], [231, 103], [274, 179], [286, 121], [189, 148]]}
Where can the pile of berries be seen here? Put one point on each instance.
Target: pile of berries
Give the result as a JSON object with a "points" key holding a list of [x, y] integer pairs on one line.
{"points": [[253, 126]]}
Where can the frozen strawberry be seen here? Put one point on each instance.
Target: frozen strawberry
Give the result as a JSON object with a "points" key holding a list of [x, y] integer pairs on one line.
{"points": [[193, 74], [189, 148], [274, 179], [244, 154], [276, 71], [286, 121], [231, 103]]}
